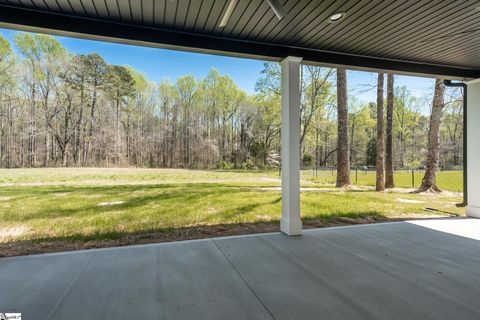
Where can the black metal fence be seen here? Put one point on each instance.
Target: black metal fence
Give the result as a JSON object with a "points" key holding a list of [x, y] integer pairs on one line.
{"points": [[356, 173]]}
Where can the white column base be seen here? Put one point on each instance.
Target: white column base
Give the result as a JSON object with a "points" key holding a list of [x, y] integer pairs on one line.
{"points": [[291, 227], [473, 211]]}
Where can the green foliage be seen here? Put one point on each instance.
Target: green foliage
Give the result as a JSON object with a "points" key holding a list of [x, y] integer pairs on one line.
{"points": [[362, 131], [410, 128], [187, 90], [38, 46], [269, 81], [121, 83], [5, 48], [371, 158], [307, 160], [6, 62], [43, 54], [88, 72], [226, 165]]}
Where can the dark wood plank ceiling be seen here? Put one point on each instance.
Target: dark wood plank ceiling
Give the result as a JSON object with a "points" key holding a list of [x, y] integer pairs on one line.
{"points": [[432, 32]]}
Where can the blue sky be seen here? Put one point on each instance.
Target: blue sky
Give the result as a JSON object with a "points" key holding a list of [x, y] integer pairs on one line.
{"points": [[158, 64]]}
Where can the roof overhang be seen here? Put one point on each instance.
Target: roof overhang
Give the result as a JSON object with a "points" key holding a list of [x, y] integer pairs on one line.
{"points": [[81, 27]]}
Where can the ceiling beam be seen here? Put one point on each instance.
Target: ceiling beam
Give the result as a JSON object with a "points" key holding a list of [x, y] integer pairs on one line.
{"points": [[58, 24]]}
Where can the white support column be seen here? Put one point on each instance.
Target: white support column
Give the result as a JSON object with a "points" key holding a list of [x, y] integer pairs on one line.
{"points": [[291, 223], [473, 148]]}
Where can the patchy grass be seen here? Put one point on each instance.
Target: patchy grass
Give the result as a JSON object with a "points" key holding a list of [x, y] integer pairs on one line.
{"points": [[56, 209]]}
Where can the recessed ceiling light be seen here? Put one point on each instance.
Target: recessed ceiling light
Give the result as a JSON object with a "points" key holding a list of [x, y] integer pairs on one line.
{"points": [[337, 17]]}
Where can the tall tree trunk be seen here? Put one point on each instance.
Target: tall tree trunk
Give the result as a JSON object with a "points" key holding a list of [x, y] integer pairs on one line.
{"points": [[414, 139], [352, 155], [380, 160], [429, 182], [389, 180], [32, 139], [317, 146], [46, 161], [78, 135], [88, 145], [343, 161], [117, 133], [165, 147]]}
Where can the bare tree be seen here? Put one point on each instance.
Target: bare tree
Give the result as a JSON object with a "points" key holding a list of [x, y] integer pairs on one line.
{"points": [[343, 161], [429, 182], [380, 159], [389, 180]]}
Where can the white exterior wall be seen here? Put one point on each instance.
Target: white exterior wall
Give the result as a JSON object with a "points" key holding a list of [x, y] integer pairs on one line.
{"points": [[473, 148]]}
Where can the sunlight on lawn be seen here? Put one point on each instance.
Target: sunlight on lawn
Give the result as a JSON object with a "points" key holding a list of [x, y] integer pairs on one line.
{"points": [[91, 204]]}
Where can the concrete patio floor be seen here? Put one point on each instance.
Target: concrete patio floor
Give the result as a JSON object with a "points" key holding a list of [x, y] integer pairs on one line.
{"points": [[385, 271]]}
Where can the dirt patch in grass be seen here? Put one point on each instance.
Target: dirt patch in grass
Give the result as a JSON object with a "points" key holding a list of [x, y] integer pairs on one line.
{"points": [[408, 200], [6, 233], [61, 194], [444, 193], [302, 189], [314, 189], [110, 203]]}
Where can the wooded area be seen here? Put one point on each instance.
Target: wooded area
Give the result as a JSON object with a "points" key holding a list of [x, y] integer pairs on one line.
{"points": [[58, 108]]}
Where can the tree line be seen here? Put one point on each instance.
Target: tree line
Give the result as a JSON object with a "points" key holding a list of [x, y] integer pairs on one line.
{"points": [[58, 108], [384, 145]]}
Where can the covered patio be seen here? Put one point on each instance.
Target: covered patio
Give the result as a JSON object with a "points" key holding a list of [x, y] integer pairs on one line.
{"points": [[404, 270], [401, 270]]}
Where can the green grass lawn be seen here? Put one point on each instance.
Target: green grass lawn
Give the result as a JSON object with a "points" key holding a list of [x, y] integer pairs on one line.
{"points": [[48, 205], [447, 180]]}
